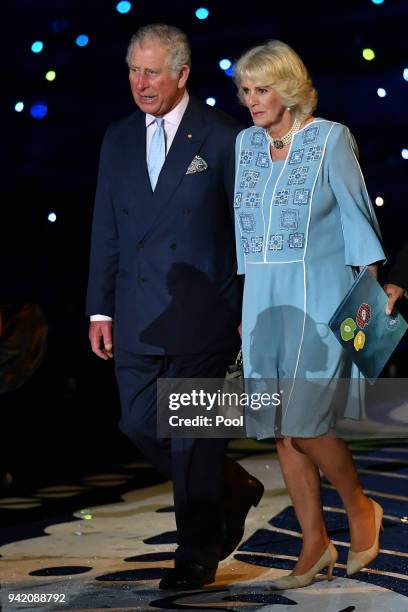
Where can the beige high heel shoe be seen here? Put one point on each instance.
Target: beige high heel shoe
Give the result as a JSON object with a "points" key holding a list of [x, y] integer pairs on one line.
{"points": [[357, 560], [328, 559]]}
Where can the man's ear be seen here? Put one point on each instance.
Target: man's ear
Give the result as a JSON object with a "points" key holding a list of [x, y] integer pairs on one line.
{"points": [[184, 73]]}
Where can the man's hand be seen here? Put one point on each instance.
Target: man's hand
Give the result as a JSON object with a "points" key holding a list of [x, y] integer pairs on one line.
{"points": [[100, 337], [394, 293]]}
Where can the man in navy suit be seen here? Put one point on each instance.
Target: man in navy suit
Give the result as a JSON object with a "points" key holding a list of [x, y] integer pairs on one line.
{"points": [[163, 268]]}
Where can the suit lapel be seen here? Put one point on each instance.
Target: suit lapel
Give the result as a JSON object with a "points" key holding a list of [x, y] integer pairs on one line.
{"points": [[187, 142], [132, 168]]}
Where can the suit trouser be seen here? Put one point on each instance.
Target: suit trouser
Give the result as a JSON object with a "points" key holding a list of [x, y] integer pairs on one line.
{"points": [[196, 466]]}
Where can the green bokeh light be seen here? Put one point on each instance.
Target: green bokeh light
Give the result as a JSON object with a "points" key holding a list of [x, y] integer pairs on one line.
{"points": [[51, 75], [368, 54]]}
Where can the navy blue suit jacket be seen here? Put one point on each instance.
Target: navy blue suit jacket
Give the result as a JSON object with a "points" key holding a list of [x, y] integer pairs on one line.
{"points": [[398, 275], [163, 263]]}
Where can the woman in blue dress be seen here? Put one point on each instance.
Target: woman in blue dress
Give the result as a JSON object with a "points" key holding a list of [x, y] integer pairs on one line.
{"points": [[304, 225]]}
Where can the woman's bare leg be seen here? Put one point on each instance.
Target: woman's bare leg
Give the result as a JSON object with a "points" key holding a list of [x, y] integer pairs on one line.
{"points": [[334, 459], [302, 481]]}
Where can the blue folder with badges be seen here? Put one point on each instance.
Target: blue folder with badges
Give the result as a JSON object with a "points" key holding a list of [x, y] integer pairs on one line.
{"points": [[363, 329]]}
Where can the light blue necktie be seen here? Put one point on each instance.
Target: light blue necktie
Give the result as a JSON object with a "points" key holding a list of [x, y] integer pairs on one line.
{"points": [[157, 153]]}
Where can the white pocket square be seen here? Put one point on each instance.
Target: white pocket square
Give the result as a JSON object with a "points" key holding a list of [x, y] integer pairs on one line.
{"points": [[197, 165]]}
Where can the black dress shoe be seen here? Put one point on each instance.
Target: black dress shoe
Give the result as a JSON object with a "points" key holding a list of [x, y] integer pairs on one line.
{"points": [[187, 575], [237, 504]]}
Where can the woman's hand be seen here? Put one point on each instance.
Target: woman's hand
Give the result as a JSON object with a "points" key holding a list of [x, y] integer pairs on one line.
{"points": [[394, 293]]}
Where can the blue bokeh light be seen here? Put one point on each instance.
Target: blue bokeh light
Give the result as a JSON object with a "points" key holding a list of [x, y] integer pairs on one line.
{"points": [[230, 71], [59, 25], [381, 93], [19, 106], [82, 40], [202, 13], [37, 46], [377, 1], [225, 64], [211, 101], [39, 110], [404, 153], [405, 74], [52, 217], [123, 7]]}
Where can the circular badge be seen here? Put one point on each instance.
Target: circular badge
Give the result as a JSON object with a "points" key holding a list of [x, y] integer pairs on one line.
{"points": [[359, 341], [363, 315], [393, 322], [347, 329]]}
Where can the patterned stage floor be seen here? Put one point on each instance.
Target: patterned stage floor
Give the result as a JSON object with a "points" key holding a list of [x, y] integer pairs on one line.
{"points": [[103, 542]]}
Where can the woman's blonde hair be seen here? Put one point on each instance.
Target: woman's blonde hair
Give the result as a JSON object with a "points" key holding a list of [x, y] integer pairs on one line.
{"points": [[276, 65]]}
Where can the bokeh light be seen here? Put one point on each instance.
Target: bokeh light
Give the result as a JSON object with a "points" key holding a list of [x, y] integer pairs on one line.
{"points": [[379, 201], [82, 40], [381, 92], [405, 74], [39, 110], [368, 54], [404, 153], [202, 13], [123, 7], [211, 101], [37, 46], [59, 25], [377, 1], [225, 64], [52, 217], [51, 75], [19, 106]]}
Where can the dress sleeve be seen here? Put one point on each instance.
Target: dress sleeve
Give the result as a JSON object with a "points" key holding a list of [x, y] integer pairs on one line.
{"points": [[362, 237], [238, 235]]}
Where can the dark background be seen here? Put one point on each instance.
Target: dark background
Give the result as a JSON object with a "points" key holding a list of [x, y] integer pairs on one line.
{"points": [[66, 415]]}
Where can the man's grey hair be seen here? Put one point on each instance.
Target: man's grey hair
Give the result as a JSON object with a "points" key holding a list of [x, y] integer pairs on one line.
{"points": [[179, 53]]}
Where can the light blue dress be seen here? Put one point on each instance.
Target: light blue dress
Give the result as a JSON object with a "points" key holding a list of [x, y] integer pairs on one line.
{"points": [[303, 225]]}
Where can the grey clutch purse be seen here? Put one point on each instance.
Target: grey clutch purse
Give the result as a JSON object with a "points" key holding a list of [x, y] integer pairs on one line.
{"points": [[233, 388]]}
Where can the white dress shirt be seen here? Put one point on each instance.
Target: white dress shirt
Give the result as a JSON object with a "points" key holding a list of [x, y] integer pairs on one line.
{"points": [[171, 122]]}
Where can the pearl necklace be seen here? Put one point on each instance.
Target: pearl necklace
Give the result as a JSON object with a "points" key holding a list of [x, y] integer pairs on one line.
{"points": [[279, 143]]}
